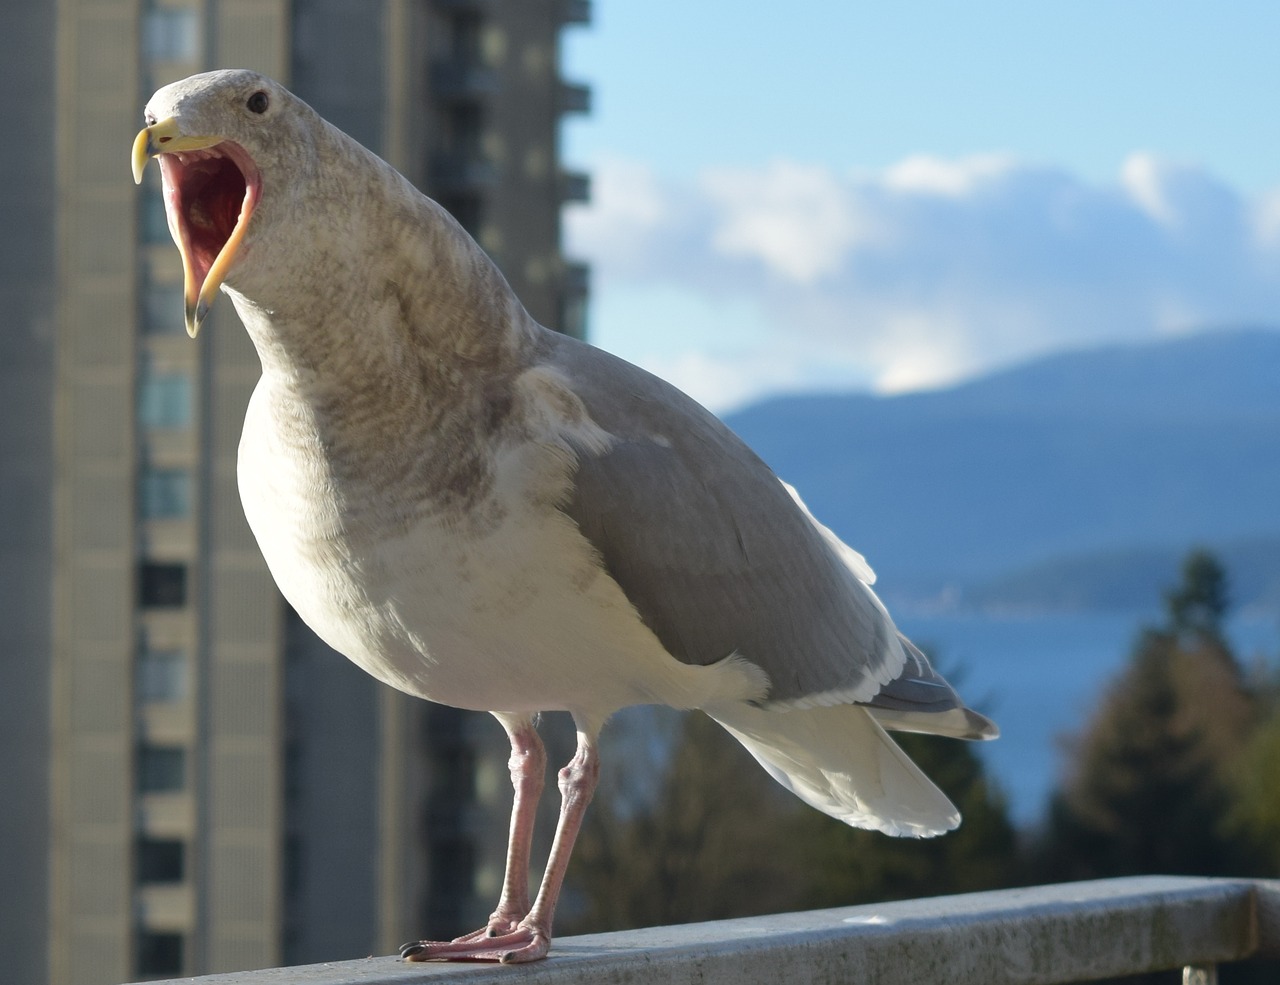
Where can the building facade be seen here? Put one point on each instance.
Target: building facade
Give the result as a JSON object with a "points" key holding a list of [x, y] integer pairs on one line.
{"points": [[193, 782]]}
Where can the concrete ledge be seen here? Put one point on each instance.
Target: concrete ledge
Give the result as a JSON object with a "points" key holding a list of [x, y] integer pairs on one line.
{"points": [[1036, 936]]}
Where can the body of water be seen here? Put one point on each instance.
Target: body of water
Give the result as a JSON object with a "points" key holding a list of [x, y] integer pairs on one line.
{"points": [[1041, 677]]}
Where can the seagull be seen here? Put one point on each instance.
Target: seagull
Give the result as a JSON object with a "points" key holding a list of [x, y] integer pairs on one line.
{"points": [[491, 515]]}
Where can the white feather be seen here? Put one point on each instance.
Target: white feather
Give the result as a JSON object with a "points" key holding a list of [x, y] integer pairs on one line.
{"points": [[839, 760], [854, 561]]}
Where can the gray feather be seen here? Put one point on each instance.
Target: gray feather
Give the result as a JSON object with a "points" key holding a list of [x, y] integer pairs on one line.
{"points": [[921, 700], [710, 548]]}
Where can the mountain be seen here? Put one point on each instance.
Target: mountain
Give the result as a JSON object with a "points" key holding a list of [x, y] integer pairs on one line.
{"points": [[1062, 472], [1130, 579]]}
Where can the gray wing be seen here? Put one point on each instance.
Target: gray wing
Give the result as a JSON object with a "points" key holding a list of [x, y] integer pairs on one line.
{"points": [[709, 546], [920, 700]]}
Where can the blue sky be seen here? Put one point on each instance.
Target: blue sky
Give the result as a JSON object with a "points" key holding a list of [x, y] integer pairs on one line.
{"points": [[852, 195]]}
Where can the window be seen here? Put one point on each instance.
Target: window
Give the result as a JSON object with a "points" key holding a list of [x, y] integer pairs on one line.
{"points": [[162, 586], [293, 863], [161, 769], [573, 315], [466, 209], [160, 860], [466, 130], [453, 864], [159, 954], [155, 224], [164, 494], [171, 34], [467, 34], [162, 310], [164, 400], [161, 675]]}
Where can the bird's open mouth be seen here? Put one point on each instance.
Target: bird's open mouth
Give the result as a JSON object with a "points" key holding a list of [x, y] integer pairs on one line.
{"points": [[211, 188]]}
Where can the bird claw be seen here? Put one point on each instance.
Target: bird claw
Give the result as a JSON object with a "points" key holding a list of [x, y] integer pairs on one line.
{"points": [[520, 945]]}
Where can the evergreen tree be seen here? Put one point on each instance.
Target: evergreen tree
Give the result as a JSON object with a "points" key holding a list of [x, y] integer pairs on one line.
{"points": [[1199, 604], [1152, 776], [1255, 812]]}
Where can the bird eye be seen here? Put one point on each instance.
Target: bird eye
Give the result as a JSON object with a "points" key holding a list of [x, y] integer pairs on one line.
{"points": [[257, 103]]}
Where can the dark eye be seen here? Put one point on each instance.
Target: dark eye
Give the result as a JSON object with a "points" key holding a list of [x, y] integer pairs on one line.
{"points": [[257, 103]]}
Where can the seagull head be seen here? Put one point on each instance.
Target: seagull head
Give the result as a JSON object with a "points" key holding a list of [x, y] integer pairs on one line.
{"points": [[215, 135]]}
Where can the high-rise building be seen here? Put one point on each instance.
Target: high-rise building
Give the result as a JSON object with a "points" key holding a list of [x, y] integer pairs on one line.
{"points": [[189, 780]]}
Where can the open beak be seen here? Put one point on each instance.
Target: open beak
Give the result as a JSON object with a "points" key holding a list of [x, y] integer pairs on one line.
{"points": [[211, 187]]}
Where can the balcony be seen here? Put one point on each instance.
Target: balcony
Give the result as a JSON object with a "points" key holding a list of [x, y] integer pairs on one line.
{"points": [[461, 173], [576, 279], [1037, 936], [573, 98], [460, 79], [575, 12], [574, 187], [466, 6]]}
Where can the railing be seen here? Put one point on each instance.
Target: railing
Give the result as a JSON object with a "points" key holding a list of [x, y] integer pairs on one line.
{"points": [[1037, 936]]}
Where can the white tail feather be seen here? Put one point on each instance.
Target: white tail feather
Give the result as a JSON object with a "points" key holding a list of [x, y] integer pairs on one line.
{"points": [[839, 760]]}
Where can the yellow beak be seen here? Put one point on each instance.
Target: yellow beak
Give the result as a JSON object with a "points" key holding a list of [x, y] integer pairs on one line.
{"points": [[199, 292], [163, 138]]}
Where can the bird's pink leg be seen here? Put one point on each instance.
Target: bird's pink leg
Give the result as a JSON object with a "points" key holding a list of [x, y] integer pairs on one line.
{"points": [[530, 938], [577, 786], [528, 765]]}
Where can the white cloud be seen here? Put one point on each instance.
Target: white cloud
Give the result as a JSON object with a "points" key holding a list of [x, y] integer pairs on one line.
{"points": [[725, 381], [796, 276], [916, 352], [798, 219], [628, 207], [722, 351], [1142, 177], [925, 174], [1266, 220]]}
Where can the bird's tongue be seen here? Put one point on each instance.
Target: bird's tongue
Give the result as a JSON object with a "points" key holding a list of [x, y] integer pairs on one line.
{"points": [[209, 197]]}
